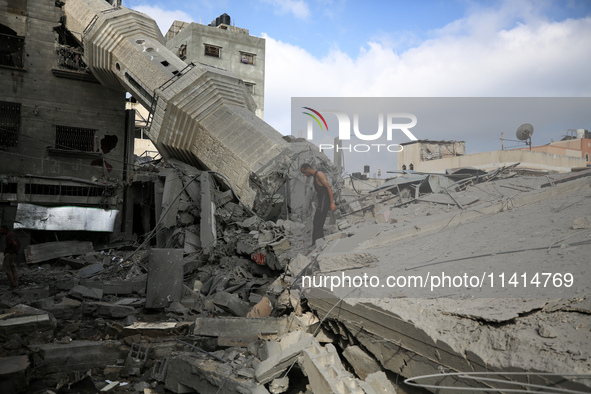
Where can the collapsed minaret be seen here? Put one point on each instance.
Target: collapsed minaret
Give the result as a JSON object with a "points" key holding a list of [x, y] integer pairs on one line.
{"points": [[199, 114]]}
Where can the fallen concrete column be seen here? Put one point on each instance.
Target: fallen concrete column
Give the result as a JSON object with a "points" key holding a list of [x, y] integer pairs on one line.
{"points": [[165, 277]]}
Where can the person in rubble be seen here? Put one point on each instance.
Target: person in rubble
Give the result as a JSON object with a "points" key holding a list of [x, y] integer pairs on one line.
{"points": [[325, 200], [10, 251]]}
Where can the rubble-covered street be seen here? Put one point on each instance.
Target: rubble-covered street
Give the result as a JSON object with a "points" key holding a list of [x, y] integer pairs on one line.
{"points": [[134, 318]]}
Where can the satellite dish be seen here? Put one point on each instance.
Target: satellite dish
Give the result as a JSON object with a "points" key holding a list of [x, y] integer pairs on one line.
{"points": [[525, 131]]}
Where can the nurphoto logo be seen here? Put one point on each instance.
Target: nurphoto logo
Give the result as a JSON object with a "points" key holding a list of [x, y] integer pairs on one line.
{"points": [[394, 122]]}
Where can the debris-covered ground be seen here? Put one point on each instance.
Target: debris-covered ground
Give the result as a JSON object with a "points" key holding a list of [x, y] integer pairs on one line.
{"points": [[231, 314]]}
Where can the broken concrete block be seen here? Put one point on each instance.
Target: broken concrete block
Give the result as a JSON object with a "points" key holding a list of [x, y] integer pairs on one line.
{"points": [[250, 223], [135, 361], [582, 222], [77, 355], [362, 363], [87, 272], [377, 383], [231, 303], [325, 371], [14, 374], [25, 320], [104, 309], [190, 372], [298, 264], [68, 309], [262, 309], [291, 345], [81, 292], [237, 331], [156, 329], [546, 331], [279, 385], [165, 277]]}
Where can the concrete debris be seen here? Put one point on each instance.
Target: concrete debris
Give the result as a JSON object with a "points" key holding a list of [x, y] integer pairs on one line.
{"points": [[14, 374], [362, 363], [262, 309], [283, 355], [165, 277], [236, 331], [583, 222], [81, 292], [52, 250], [330, 263]]}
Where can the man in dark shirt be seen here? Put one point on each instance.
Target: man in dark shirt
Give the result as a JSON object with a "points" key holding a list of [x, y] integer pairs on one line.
{"points": [[325, 200], [10, 251]]}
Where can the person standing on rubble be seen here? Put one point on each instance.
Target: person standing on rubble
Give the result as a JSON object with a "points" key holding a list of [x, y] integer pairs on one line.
{"points": [[10, 251], [325, 200]]}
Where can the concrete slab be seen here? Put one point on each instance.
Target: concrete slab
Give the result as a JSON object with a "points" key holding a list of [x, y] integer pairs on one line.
{"points": [[292, 346], [81, 292], [77, 355], [14, 374], [189, 372], [236, 331], [231, 303], [362, 363], [165, 277]]}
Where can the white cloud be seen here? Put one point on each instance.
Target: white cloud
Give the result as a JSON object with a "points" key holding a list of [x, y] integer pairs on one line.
{"points": [[299, 8], [485, 54], [164, 18]]}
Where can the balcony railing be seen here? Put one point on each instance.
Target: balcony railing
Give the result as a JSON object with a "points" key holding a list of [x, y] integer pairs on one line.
{"points": [[71, 58]]}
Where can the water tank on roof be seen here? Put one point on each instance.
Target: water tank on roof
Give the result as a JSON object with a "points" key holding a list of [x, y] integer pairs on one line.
{"points": [[225, 19], [217, 21]]}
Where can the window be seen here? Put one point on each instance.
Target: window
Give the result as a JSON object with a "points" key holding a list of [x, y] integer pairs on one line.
{"points": [[10, 122], [212, 50], [249, 87], [11, 48], [247, 58], [74, 138], [587, 157]]}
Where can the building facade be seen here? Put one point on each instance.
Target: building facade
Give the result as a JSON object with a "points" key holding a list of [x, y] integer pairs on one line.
{"points": [[224, 46], [64, 138]]}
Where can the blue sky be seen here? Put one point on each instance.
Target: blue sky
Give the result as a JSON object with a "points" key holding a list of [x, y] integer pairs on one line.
{"points": [[427, 48]]}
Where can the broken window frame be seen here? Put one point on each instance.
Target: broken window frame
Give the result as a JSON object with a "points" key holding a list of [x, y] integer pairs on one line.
{"points": [[10, 124], [247, 58], [250, 87], [212, 51], [66, 139], [182, 52], [12, 49]]}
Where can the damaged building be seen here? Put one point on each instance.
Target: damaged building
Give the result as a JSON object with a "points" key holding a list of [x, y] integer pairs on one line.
{"points": [[194, 272]]}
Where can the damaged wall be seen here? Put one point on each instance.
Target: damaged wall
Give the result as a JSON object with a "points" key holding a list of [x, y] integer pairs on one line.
{"points": [[68, 126]]}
